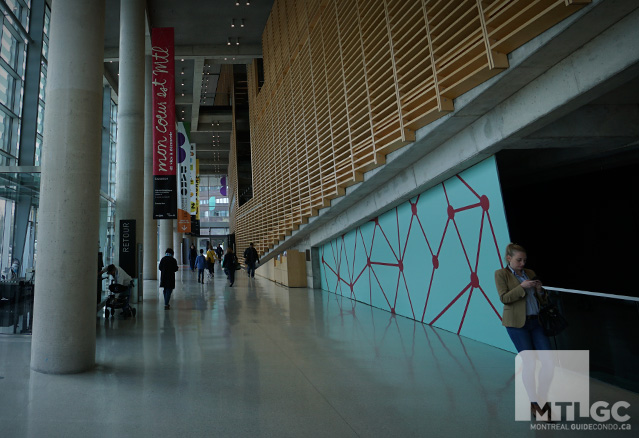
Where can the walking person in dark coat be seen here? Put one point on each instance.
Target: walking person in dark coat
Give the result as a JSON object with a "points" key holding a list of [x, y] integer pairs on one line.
{"points": [[168, 268], [192, 257], [229, 263], [251, 258], [220, 252]]}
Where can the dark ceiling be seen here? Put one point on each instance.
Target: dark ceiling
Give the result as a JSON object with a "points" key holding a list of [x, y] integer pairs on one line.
{"points": [[202, 32]]}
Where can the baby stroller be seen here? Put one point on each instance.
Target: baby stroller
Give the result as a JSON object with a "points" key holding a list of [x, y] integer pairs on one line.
{"points": [[118, 299]]}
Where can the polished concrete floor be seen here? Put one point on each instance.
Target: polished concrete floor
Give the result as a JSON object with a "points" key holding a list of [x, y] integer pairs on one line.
{"points": [[259, 360]]}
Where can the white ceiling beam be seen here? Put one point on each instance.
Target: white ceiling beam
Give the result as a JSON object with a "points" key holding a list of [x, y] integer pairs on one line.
{"points": [[213, 51], [198, 71]]}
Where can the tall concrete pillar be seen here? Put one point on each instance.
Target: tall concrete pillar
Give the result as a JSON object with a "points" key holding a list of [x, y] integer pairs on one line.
{"points": [[150, 225], [129, 189], [166, 236], [63, 338], [178, 238]]}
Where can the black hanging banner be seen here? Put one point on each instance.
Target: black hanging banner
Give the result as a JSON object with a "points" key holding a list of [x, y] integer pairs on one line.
{"points": [[195, 227], [127, 247]]}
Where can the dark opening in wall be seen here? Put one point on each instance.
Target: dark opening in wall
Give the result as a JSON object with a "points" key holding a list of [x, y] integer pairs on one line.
{"points": [[260, 73], [577, 219], [242, 134]]}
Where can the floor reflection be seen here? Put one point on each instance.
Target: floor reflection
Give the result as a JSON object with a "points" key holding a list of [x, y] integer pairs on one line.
{"points": [[258, 359]]}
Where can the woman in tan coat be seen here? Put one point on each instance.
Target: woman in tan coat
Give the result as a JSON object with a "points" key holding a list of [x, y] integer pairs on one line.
{"points": [[522, 295]]}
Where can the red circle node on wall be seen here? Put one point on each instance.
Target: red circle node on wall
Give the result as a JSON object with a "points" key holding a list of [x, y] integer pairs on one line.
{"points": [[351, 287], [413, 208], [435, 262], [376, 220], [451, 212], [400, 264], [484, 202], [474, 280], [368, 262], [393, 310]]}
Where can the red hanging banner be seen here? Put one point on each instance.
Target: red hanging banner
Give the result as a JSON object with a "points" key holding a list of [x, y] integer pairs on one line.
{"points": [[164, 149]]}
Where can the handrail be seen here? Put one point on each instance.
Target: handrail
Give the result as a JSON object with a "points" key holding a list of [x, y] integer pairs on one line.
{"points": [[594, 294]]}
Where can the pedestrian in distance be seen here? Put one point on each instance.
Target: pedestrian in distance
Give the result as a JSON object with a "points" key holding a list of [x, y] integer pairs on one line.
{"points": [[210, 261], [220, 253], [251, 258], [192, 256], [200, 264], [120, 276], [168, 268], [229, 264]]}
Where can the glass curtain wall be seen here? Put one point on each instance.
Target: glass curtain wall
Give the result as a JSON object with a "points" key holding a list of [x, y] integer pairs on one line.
{"points": [[12, 68], [110, 205], [214, 202], [13, 50], [13, 56], [43, 84]]}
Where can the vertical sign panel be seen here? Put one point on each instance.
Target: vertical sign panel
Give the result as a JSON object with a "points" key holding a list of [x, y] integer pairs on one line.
{"points": [[127, 246], [197, 189], [164, 151], [192, 177], [184, 175]]}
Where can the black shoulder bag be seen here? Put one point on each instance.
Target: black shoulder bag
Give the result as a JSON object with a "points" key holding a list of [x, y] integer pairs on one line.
{"points": [[551, 320]]}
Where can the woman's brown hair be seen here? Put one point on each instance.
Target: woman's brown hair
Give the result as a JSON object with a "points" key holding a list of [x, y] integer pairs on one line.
{"points": [[512, 248]]}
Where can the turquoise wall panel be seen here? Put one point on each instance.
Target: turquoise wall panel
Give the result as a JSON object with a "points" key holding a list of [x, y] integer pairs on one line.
{"points": [[432, 258]]}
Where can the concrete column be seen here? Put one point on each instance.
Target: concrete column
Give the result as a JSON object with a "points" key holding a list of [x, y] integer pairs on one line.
{"points": [[178, 238], [129, 188], [150, 225], [166, 236], [63, 338]]}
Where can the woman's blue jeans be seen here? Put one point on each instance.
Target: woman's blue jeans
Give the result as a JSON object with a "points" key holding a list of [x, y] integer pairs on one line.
{"points": [[531, 337]]}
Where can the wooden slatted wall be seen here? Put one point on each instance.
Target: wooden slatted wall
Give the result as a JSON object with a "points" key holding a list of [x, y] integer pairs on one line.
{"points": [[347, 82]]}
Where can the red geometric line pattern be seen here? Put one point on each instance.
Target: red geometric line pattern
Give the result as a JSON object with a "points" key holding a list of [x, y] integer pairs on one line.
{"points": [[348, 279]]}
